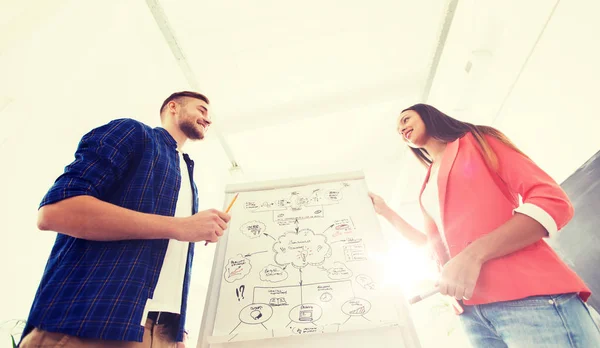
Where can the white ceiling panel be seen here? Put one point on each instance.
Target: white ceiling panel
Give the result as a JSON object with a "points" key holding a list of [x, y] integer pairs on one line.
{"points": [[285, 61]]}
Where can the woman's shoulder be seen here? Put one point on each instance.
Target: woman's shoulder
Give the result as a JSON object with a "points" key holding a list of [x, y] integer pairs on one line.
{"points": [[469, 138], [466, 136]]}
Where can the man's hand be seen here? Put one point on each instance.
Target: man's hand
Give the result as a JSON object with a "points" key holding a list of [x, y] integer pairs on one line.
{"points": [[459, 275], [379, 204], [206, 225]]}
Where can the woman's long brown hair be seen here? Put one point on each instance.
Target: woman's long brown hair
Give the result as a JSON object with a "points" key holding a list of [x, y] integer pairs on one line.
{"points": [[447, 129]]}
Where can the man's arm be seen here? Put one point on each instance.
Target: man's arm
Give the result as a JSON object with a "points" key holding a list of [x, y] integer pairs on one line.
{"points": [[102, 160], [76, 206], [89, 218]]}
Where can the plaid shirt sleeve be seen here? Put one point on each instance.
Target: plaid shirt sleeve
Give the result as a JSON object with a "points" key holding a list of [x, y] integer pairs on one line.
{"points": [[101, 161]]}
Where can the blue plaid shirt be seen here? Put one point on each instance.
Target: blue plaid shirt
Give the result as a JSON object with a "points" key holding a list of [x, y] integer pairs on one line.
{"points": [[97, 289]]}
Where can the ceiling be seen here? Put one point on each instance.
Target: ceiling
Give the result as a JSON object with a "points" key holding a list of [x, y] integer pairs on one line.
{"points": [[296, 88]]}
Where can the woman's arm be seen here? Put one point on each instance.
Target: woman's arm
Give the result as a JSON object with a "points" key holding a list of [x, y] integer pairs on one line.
{"points": [[515, 234], [545, 209], [405, 229], [543, 199], [460, 274]]}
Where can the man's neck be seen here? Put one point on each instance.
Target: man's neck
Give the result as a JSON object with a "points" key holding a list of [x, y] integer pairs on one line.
{"points": [[177, 134]]}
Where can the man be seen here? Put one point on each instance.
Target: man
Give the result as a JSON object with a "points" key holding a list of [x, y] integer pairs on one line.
{"points": [[126, 213]]}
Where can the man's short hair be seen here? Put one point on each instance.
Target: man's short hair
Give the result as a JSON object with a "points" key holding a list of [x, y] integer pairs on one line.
{"points": [[178, 95]]}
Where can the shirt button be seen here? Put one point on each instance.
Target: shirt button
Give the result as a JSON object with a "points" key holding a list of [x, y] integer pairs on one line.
{"points": [[550, 301]]}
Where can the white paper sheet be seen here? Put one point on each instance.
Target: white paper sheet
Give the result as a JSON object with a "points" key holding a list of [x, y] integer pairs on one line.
{"points": [[302, 260]]}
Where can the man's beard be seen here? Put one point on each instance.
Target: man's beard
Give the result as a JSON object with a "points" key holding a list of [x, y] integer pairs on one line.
{"points": [[190, 129]]}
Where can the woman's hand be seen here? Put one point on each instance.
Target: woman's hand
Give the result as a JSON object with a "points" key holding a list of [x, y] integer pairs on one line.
{"points": [[378, 203], [460, 275]]}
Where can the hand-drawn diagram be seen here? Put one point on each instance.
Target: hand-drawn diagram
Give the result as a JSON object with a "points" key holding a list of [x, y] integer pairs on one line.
{"points": [[298, 206], [305, 265]]}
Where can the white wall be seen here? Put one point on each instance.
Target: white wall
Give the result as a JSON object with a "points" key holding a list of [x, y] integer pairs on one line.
{"points": [[550, 113], [553, 112]]}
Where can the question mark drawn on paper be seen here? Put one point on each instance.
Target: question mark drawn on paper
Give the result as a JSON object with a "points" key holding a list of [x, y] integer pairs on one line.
{"points": [[240, 291]]}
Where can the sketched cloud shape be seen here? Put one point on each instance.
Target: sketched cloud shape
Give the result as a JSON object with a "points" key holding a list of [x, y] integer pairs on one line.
{"points": [[301, 249]]}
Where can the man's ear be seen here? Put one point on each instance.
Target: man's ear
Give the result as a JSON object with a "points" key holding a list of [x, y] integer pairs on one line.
{"points": [[172, 107]]}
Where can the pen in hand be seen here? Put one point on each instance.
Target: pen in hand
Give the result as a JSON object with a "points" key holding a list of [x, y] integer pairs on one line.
{"points": [[424, 295], [227, 210], [458, 308]]}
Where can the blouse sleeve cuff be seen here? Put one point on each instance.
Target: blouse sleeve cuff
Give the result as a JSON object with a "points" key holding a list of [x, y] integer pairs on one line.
{"points": [[539, 215]]}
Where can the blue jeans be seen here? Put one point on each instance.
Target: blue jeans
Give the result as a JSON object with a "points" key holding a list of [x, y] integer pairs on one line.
{"points": [[532, 322]]}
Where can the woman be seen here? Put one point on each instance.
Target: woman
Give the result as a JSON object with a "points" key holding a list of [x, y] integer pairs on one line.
{"points": [[514, 290]]}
